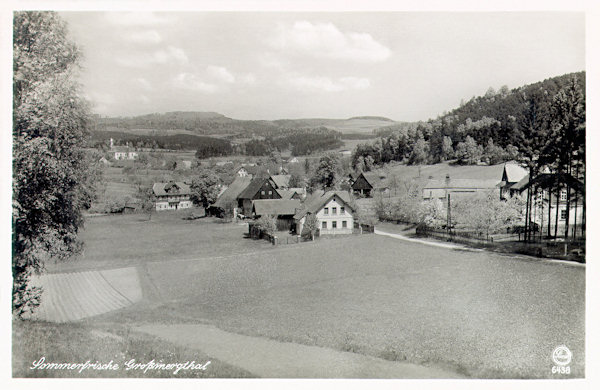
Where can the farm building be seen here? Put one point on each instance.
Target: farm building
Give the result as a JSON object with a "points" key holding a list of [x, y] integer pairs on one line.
{"points": [[258, 188], [439, 189], [172, 196], [228, 199], [335, 214], [368, 183], [284, 210]]}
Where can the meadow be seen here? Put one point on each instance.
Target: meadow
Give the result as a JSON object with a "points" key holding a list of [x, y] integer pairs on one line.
{"points": [[477, 313]]}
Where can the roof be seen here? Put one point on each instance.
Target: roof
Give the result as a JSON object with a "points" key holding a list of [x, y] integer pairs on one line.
{"points": [[317, 201], [462, 183], [376, 180], [514, 172], [163, 189], [276, 206], [287, 194], [549, 180], [252, 188], [281, 180], [232, 192], [520, 185]]}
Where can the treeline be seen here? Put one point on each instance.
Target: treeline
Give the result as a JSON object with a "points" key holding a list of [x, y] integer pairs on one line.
{"points": [[492, 128], [206, 146], [299, 142]]}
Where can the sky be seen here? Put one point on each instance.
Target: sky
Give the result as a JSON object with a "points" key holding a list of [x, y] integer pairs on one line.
{"points": [[273, 65]]}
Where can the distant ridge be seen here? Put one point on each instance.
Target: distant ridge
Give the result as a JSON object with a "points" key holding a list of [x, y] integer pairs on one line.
{"points": [[378, 118]]}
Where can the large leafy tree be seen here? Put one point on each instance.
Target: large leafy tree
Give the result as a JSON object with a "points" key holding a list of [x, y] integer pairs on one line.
{"points": [[205, 188], [328, 172], [52, 183]]}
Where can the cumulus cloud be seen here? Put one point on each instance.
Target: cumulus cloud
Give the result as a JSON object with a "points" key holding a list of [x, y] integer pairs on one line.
{"points": [[160, 56], [149, 37], [325, 40], [193, 82], [220, 73], [312, 84], [135, 18]]}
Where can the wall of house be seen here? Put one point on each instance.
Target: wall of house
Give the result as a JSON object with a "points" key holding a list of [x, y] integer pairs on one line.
{"points": [[540, 216], [327, 216], [173, 203]]}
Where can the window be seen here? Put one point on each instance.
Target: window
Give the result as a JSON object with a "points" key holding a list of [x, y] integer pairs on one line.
{"points": [[563, 195], [342, 210], [334, 225], [344, 224], [563, 214], [270, 192], [326, 211], [334, 210], [262, 192], [324, 225]]}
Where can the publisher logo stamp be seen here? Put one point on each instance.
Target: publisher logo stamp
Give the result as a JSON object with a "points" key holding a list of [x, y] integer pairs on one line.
{"points": [[561, 356]]}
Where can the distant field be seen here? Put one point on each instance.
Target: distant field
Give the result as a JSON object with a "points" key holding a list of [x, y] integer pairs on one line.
{"points": [[361, 126], [159, 132]]}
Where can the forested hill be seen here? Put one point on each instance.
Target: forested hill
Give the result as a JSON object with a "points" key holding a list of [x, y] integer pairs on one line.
{"points": [[489, 128], [211, 123]]}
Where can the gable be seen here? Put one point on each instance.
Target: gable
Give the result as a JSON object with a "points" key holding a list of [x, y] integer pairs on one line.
{"points": [[361, 183]]}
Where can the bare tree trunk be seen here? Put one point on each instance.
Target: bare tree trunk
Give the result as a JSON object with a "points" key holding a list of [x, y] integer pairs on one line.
{"points": [[557, 207], [526, 235], [568, 203], [549, 210]]}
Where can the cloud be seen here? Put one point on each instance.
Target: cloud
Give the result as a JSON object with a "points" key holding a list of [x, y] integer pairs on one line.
{"points": [[150, 37], [325, 40], [143, 83], [325, 84], [220, 73], [193, 82], [135, 18], [161, 56]]}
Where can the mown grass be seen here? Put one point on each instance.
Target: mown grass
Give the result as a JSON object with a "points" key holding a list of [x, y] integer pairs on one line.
{"points": [[121, 240], [78, 343], [479, 313]]}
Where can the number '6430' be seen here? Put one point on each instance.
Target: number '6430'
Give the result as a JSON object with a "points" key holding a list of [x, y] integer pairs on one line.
{"points": [[561, 370]]}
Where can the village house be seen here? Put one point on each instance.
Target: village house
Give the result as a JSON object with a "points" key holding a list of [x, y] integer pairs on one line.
{"points": [[246, 170], [366, 184], [548, 206], [335, 214], [258, 188], [172, 196], [122, 152]]}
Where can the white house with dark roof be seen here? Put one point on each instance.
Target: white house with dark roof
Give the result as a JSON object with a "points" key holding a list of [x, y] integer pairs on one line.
{"points": [[172, 196], [333, 210]]}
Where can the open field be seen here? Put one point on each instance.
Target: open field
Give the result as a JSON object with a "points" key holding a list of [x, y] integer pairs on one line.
{"points": [[116, 241], [476, 313]]}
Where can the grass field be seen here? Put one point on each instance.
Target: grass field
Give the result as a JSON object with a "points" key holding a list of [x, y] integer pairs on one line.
{"points": [[78, 343], [478, 313]]}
